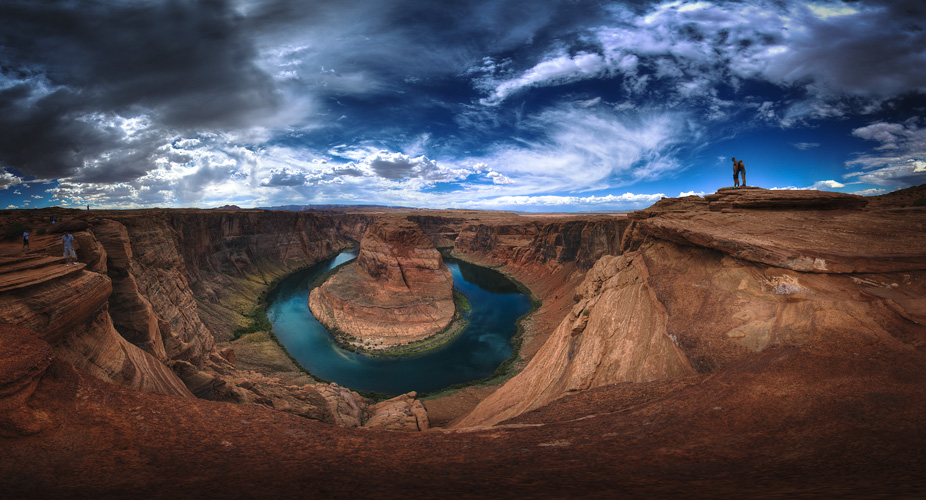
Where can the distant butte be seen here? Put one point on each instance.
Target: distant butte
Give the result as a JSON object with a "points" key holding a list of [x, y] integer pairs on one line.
{"points": [[397, 292]]}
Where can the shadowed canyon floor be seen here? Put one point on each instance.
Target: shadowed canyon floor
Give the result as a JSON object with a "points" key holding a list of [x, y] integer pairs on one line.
{"points": [[747, 344]]}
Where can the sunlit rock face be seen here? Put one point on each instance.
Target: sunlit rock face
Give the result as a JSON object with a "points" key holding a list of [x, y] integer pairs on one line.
{"points": [[702, 285], [398, 291]]}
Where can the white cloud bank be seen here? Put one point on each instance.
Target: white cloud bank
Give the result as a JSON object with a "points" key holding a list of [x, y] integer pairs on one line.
{"points": [[899, 159]]}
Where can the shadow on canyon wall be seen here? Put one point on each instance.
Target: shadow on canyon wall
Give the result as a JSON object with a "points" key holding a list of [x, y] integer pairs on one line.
{"points": [[749, 343]]}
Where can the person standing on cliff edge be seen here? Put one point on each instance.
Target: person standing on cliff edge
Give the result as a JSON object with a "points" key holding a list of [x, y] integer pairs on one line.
{"points": [[738, 168], [69, 254]]}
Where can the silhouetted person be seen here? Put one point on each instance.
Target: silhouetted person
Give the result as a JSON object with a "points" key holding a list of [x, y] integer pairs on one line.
{"points": [[25, 241], [736, 169]]}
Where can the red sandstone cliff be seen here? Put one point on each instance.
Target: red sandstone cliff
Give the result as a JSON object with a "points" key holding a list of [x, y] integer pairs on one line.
{"points": [[135, 310], [703, 284], [808, 380], [398, 291]]}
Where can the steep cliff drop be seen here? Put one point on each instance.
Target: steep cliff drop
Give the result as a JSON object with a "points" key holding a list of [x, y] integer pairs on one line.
{"points": [[748, 344], [704, 284], [397, 292]]}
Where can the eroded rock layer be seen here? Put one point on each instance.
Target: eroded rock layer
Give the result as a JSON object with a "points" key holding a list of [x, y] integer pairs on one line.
{"points": [[141, 307], [704, 283], [398, 291]]}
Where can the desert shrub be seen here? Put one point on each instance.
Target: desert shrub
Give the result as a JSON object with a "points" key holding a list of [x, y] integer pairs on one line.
{"points": [[920, 202], [14, 231]]}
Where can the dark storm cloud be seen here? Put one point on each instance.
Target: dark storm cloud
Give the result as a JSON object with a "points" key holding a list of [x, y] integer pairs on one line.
{"points": [[71, 66], [879, 54]]}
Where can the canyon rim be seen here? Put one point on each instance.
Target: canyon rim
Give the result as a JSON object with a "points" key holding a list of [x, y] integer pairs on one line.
{"points": [[747, 343]]}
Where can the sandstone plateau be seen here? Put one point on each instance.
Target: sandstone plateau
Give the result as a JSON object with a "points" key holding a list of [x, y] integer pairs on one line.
{"points": [[745, 344], [397, 292]]}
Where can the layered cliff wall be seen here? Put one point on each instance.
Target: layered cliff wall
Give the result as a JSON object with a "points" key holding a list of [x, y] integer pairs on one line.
{"points": [[802, 379], [701, 285], [548, 255], [155, 288]]}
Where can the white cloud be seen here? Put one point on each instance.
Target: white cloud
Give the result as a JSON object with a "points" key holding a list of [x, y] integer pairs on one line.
{"points": [[803, 146], [498, 178], [7, 179], [817, 186], [898, 161], [694, 47], [691, 193], [584, 149], [824, 185], [553, 200], [870, 192], [560, 69]]}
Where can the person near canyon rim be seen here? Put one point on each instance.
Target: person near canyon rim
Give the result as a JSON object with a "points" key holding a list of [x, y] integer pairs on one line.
{"points": [[742, 170], [736, 180], [25, 240], [69, 254], [738, 168]]}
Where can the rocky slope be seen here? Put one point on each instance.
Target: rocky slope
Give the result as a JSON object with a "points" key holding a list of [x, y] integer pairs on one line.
{"points": [[549, 255], [702, 284], [791, 422], [397, 292], [135, 310], [747, 344]]}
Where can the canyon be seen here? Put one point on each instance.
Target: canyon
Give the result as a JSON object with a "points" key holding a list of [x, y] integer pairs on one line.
{"points": [[747, 343]]}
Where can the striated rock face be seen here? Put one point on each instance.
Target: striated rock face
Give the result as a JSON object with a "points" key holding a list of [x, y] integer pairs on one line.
{"points": [[131, 311], [442, 231], [398, 291], [228, 258], [549, 255], [702, 288], [548, 243], [23, 361], [617, 332], [791, 230]]}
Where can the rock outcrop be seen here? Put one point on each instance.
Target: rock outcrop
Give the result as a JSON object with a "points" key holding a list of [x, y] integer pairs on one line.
{"points": [[134, 310], [398, 291], [701, 284], [711, 362]]}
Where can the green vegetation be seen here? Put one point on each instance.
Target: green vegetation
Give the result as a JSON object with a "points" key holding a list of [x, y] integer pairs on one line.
{"points": [[257, 320], [461, 301], [920, 202]]}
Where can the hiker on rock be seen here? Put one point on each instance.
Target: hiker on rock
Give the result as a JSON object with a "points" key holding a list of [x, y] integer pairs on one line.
{"points": [[69, 254], [738, 168], [25, 241]]}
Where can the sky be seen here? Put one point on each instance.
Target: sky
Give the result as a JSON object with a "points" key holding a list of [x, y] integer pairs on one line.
{"points": [[547, 106]]}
